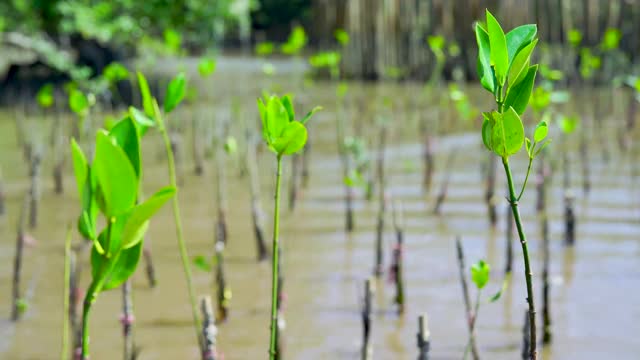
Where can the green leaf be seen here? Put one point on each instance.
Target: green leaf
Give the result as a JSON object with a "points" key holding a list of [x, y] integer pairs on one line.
{"points": [[342, 37], [520, 37], [115, 72], [145, 93], [201, 262], [206, 66], [78, 102], [116, 176], [126, 135], [575, 37], [293, 138], [520, 64], [277, 119], [569, 124], [498, 48], [230, 145], [487, 130], [138, 220], [508, 133], [514, 131], [45, 96], [485, 72], [518, 95], [310, 114], [288, 104], [611, 39], [542, 129], [140, 118], [176, 91], [480, 273], [86, 188], [527, 145], [125, 266]]}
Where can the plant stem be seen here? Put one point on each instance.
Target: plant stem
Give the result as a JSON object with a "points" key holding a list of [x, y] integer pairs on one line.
{"points": [[184, 255], [526, 178], [64, 352], [525, 253], [274, 264], [472, 327]]}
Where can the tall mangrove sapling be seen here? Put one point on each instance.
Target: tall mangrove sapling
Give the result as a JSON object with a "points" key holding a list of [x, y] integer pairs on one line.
{"points": [[505, 71]]}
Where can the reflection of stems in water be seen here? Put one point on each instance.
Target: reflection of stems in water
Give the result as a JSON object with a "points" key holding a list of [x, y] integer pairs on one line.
{"points": [[18, 304], [366, 352], [397, 264], [127, 320], [209, 329], [525, 253], [383, 204], [184, 256], [64, 353], [274, 265], [467, 302]]}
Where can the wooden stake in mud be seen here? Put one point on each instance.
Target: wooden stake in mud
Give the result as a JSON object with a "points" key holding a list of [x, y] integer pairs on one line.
{"points": [[223, 291], [221, 189], [546, 314], [586, 169], [256, 207], [57, 139], [424, 338], [427, 178], [209, 329], [569, 219], [442, 196], [383, 203], [18, 302], [397, 264], [367, 310], [34, 174], [467, 300], [489, 195], [127, 319], [196, 143]]}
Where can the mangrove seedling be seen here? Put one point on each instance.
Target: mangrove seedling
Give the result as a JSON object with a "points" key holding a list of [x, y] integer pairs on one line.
{"points": [[283, 135], [152, 116], [505, 71], [110, 185]]}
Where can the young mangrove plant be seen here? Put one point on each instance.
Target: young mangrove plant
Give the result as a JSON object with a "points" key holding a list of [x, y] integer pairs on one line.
{"points": [[153, 116], [283, 135], [110, 185], [505, 71]]}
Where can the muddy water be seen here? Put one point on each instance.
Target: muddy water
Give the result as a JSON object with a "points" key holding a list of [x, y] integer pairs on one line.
{"points": [[594, 293]]}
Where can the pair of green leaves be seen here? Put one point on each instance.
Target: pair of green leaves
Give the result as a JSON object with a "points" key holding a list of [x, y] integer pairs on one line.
{"points": [[504, 134], [504, 62], [110, 184], [175, 94], [480, 274], [283, 134]]}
